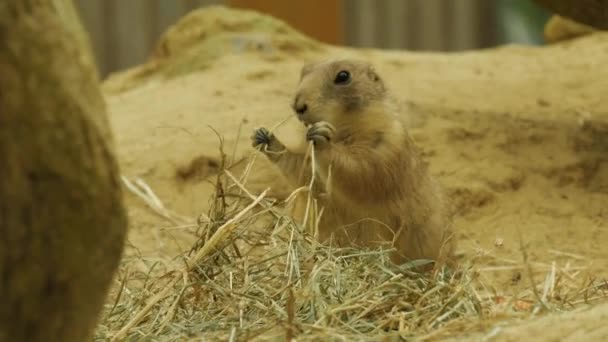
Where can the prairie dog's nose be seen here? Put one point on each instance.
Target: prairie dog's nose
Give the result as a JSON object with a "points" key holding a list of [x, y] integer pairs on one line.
{"points": [[299, 105]]}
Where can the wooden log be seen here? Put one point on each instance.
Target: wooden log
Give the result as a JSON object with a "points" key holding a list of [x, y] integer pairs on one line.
{"points": [[62, 219]]}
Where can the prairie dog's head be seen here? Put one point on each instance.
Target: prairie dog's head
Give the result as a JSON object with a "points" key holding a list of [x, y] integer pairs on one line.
{"points": [[331, 91]]}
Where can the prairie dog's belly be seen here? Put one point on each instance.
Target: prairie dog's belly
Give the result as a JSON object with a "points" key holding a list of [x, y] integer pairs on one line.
{"points": [[352, 225]]}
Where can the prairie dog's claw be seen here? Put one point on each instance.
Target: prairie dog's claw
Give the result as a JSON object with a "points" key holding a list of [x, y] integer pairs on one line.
{"points": [[261, 136], [320, 133]]}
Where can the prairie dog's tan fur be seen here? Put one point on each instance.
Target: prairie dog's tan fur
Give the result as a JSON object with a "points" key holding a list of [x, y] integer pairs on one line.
{"points": [[375, 189]]}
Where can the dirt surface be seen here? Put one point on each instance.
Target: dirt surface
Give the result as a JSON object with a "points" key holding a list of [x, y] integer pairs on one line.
{"points": [[588, 324], [517, 135]]}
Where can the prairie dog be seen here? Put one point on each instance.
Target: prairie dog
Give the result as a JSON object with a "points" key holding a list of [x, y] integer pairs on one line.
{"points": [[374, 187]]}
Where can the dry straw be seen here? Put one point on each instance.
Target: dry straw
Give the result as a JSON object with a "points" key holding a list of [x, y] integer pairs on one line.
{"points": [[255, 274]]}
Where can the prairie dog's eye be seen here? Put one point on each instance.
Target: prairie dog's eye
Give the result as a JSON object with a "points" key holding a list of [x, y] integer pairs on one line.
{"points": [[342, 77]]}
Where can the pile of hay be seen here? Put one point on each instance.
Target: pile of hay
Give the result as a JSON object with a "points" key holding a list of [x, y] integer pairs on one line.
{"points": [[254, 274]]}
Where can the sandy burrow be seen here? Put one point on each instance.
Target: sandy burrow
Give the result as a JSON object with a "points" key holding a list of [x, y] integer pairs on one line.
{"points": [[517, 135]]}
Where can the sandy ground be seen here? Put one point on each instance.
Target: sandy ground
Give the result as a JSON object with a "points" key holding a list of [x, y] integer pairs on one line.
{"points": [[517, 135]]}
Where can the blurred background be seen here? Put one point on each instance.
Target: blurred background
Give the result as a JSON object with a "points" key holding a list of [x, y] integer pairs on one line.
{"points": [[124, 32]]}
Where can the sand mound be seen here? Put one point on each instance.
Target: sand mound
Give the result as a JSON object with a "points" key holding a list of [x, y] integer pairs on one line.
{"points": [[518, 136]]}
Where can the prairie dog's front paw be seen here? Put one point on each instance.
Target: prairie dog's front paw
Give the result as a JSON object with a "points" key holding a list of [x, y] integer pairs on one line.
{"points": [[320, 133], [261, 136]]}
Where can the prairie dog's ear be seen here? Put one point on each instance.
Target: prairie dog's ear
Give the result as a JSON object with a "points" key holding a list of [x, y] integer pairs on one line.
{"points": [[306, 69], [373, 75]]}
